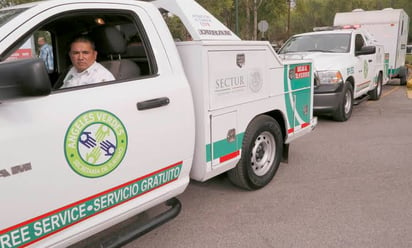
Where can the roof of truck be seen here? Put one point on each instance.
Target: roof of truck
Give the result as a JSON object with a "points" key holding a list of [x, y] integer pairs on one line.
{"points": [[334, 31], [360, 16]]}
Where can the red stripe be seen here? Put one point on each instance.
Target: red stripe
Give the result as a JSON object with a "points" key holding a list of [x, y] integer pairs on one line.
{"points": [[304, 125], [291, 130], [367, 82], [229, 156], [88, 217], [85, 200]]}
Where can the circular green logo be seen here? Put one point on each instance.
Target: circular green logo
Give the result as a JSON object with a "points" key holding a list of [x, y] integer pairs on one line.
{"points": [[95, 143]]}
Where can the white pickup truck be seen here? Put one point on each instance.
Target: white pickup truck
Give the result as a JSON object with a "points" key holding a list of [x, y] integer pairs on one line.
{"points": [[390, 27], [348, 63], [76, 161]]}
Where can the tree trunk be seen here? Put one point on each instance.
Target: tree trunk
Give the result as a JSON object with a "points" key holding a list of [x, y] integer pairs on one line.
{"points": [[247, 26], [255, 16]]}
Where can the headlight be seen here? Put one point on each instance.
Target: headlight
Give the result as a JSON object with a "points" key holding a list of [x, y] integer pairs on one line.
{"points": [[328, 77]]}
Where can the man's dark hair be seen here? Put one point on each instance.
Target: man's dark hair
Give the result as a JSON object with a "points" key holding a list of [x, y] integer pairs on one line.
{"points": [[83, 38]]}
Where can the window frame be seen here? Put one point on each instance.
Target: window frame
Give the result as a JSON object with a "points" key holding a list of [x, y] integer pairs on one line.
{"points": [[61, 58]]}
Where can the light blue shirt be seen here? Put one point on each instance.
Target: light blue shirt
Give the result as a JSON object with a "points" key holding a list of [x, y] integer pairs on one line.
{"points": [[46, 53]]}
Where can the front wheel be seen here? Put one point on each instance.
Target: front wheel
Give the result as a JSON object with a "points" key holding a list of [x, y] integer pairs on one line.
{"points": [[344, 111], [261, 153]]}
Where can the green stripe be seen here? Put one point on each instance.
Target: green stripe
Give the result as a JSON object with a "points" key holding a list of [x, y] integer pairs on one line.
{"points": [[223, 147], [288, 100], [393, 71], [57, 220]]}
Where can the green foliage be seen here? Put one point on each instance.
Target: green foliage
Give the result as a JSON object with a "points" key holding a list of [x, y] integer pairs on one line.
{"points": [[220, 9], [274, 13], [176, 28], [306, 15], [5, 3]]}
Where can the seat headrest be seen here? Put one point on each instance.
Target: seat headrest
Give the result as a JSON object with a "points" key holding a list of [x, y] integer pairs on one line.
{"points": [[109, 40], [135, 51]]}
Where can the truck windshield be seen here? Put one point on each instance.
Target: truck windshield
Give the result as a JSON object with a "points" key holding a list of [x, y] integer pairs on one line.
{"points": [[328, 43], [7, 15]]}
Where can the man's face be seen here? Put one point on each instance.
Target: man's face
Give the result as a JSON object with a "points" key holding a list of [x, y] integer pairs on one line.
{"points": [[82, 55]]}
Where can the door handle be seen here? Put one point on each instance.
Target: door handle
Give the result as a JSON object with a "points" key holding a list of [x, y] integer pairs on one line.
{"points": [[370, 60], [153, 103]]}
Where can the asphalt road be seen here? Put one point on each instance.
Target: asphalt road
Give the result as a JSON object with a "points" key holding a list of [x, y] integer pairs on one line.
{"points": [[346, 185]]}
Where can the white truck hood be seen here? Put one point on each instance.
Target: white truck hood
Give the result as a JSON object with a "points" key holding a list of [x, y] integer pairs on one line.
{"points": [[321, 61]]}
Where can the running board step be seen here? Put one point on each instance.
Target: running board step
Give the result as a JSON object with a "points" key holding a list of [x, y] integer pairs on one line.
{"points": [[130, 235], [361, 99]]}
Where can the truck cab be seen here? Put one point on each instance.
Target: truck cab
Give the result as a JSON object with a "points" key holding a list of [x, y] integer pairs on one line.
{"points": [[92, 155], [348, 67]]}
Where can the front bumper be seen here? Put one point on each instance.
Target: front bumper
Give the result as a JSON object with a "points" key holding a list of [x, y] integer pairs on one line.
{"points": [[326, 98]]}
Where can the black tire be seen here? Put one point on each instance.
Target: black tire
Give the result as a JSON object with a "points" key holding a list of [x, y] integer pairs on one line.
{"points": [[375, 94], [403, 75], [262, 149], [344, 111]]}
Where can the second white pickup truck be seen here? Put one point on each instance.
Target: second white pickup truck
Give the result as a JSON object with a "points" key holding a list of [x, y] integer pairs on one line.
{"points": [[348, 64]]}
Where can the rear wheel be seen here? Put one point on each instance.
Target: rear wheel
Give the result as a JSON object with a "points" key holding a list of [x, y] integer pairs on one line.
{"points": [[261, 153], [375, 94], [403, 75], [344, 111]]}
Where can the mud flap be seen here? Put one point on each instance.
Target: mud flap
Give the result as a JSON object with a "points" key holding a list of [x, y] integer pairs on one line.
{"points": [[285, 154]]}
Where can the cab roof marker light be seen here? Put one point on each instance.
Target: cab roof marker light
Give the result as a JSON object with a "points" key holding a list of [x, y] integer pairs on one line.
{"points": [[325, 28]]}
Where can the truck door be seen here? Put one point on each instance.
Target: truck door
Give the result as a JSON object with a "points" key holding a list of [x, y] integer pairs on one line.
{"points": [[83, 157], [364, 69]]}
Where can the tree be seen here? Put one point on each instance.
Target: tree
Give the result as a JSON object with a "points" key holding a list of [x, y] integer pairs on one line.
{"points": [[220, 9], [7, 3], [253, 11], [306, 15]]}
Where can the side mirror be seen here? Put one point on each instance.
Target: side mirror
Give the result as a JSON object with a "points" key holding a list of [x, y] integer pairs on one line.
{"points": [[25, 77], [366, 50]]}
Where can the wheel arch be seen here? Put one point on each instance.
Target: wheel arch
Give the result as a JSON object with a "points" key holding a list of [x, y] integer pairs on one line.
{"points": [[351, 80], [380, 74], [262, 146], [280, 118]]}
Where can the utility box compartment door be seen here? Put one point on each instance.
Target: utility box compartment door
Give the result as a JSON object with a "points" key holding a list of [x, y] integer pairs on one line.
{"points": [[237, 76], [299, 99], [225, 143]]}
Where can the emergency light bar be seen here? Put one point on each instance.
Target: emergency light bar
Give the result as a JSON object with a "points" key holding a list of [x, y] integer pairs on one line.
{"points": [[329, 28]]}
